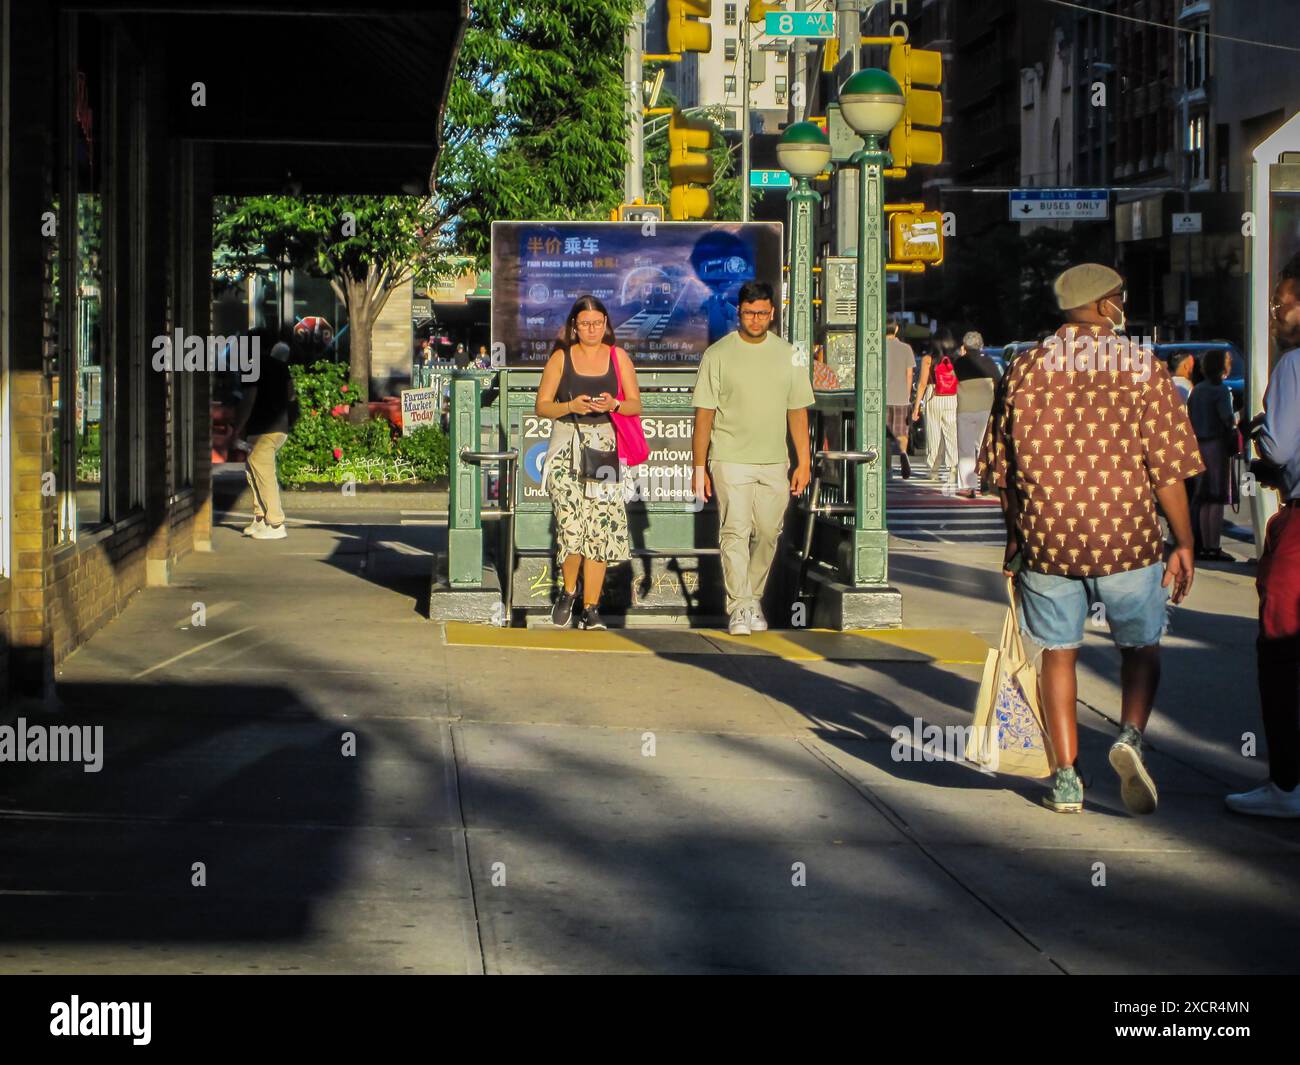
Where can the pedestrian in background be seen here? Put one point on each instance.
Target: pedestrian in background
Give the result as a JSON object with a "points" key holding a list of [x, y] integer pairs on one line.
{"points": [[1182, 364], [1080, 458], [265, 418], [977, 375], [577, 392], [750, 392], [900, 366], [1210, 408], [1277, 649], [940, 399]]}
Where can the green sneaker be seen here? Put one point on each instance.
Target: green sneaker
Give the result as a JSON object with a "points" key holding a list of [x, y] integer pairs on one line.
{"points": [[1066, 796], [1136, 787]]}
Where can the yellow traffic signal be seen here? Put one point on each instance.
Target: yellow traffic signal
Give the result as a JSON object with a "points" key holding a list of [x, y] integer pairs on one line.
{"points": [[912, 67], [758, 11], [916, 237], [686, 202], [688, 164], [684, 33]]}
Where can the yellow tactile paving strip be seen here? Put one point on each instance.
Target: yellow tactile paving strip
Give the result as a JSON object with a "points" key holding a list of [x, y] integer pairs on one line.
{"points": [[955, 646]]}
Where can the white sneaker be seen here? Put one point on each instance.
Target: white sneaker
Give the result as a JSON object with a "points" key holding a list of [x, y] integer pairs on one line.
{"points": [[1268, 800], [249, 530], [757, 623], [269, 532], [739, 623]]}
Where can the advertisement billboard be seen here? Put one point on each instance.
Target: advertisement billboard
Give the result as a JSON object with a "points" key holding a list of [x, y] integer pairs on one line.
{"points": [[670, 287]]}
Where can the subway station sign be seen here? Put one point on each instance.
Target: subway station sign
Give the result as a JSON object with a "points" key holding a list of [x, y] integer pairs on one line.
{"points": [[665, 477]]}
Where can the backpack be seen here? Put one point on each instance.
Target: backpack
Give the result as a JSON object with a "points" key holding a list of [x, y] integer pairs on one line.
{"points": [[945, 378]]}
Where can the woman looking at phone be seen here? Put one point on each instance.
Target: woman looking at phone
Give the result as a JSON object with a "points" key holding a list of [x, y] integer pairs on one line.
{"points": [[578, 392]]}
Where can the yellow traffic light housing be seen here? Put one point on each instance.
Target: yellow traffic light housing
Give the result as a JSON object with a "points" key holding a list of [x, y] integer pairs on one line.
{"points": [[758, 11], [686, 202], [685, 34], [913, 68], [688, 164], [916, 237]]}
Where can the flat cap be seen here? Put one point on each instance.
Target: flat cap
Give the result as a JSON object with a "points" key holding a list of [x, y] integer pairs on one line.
{"points": [[1084, 284]]}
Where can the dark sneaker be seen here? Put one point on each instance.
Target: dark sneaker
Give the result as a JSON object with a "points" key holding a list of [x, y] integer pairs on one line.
{"points": [[1066, 796], [904, 467], [1136, 787], [562, 612], [590, 618]]}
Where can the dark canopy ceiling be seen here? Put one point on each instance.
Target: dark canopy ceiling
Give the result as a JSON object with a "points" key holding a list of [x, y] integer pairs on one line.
{"points": [[331, 97]]}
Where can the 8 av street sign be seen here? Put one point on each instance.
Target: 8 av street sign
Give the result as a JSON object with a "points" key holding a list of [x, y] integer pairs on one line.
{"points": [[772, 179], [1028, 205], [800, 24]]}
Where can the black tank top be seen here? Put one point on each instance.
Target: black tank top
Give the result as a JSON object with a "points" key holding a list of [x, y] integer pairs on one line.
{"points": [[574, 384]]}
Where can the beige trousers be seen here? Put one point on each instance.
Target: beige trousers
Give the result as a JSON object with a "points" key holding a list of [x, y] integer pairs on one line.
{"points": [[752, 501], [262, 478]]}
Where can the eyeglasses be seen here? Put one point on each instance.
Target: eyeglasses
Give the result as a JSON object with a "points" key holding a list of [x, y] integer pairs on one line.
{"points": [[757, 316], [597, 324]]}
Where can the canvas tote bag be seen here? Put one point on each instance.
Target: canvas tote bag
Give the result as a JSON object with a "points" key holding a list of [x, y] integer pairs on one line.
{"points": [[1009, 733]]}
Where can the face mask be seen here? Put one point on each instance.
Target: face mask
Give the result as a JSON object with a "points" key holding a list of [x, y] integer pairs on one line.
{"points": [[1118, 326]]}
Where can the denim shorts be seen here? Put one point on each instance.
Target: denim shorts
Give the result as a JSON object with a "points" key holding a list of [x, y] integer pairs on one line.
{"points": [[1054, 609]]}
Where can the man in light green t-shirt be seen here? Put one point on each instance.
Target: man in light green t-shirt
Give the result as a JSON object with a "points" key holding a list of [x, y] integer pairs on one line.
{"points": [[752, 388]]}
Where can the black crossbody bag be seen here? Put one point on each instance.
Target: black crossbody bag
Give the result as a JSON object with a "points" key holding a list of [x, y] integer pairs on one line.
{"points": [[595, 465]]}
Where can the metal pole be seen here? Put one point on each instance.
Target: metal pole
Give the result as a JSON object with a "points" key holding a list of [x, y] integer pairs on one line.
{"points": [[634, 176], [802, 198], [1186, 286], [798, 75], [744, 117], [870, 558]]}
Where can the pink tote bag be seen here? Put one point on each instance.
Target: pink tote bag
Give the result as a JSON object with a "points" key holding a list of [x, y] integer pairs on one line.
{"points": [[632, 446]]}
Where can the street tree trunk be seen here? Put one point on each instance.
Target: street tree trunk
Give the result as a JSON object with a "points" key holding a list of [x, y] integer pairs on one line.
{"points": [[365, 299]]}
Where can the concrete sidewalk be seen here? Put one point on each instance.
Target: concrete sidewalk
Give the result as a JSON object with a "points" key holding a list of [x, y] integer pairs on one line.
{"points": [[551, 810]]}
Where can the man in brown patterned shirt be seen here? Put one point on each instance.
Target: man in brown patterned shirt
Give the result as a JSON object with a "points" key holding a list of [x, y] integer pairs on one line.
{"points": [[1086, 434]]}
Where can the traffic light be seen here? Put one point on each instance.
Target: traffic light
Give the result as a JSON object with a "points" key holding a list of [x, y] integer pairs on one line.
{"points": [[912, 67], [684, 33], [758, 11], [916, 237], [688, 164]]}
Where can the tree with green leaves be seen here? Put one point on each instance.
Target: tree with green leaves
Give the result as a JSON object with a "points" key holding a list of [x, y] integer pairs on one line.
{"points": [[367, 246], [536, 121]]}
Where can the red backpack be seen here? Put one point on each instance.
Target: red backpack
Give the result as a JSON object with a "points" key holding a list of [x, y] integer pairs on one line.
{"points": [[945, 378]]}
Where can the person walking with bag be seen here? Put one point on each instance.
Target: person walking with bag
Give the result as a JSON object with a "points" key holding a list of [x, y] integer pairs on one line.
{"points": [[750, 391], [1210, 408], [940, 399], [587, 382], [977, 375], [1080, 446], [1277, 649]]}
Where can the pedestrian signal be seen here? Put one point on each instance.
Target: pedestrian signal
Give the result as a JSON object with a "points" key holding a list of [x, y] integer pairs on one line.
{"points": [[916, 237]]}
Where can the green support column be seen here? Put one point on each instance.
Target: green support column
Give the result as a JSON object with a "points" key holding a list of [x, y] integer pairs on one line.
{"points": [[804, 152], [800, 330], [465, 505], [870, 551]]}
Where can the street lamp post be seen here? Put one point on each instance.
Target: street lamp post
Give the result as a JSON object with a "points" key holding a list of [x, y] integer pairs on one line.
{"points": [[804, 152], [872, 102]]}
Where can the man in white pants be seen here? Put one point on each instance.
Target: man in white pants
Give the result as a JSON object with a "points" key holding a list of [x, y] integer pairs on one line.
{"points": [[752, 388]]}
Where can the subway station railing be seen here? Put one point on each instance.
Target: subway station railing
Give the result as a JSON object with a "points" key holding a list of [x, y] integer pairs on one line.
{"points": [[500, 526]]}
